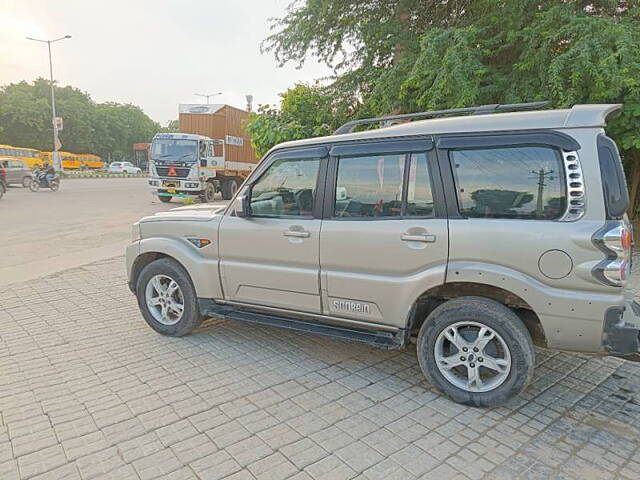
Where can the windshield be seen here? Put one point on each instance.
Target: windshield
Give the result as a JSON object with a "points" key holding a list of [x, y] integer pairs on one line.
{"points": [[167, 149]]}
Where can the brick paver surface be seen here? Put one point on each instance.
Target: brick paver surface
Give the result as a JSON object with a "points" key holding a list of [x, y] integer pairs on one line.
{"points": [[87, 390]]}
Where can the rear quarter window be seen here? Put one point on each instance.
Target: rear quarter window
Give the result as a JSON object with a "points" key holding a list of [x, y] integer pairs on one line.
{"points": [[519, 182]]}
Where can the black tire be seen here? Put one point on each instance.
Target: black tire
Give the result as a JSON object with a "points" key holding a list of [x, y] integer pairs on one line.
{"points": [[191, 317], [229, 188], [209, 194], [497, 317], [26, 181], [34, 186], [165, 198], [54, 185]]}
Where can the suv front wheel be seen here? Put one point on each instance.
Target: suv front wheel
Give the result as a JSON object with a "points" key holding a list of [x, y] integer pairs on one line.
{"points": [[167, 298], [476, 351]]}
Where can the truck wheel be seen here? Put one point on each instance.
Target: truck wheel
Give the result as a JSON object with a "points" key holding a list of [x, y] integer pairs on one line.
{"points": [[165, 198], [229, 188], [476, 351], [209, 192], [167, 299]]}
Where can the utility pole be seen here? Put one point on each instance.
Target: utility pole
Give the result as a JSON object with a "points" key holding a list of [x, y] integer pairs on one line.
{"points": [[207, 95], [57, 164], [541, 175]]}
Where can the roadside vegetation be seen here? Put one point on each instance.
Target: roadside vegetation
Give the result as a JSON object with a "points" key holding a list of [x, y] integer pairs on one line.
{"points": [[415, 55], [108, 129]]}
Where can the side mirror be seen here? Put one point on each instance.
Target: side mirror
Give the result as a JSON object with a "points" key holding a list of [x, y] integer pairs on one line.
{"points": [[242, 205]]}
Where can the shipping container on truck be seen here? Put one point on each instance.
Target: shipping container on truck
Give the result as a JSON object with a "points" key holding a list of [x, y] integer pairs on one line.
{"points": [[211, 153]]}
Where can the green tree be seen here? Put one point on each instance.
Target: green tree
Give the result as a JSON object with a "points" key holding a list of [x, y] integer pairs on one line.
{"points": [[413, 55], [305, 111], [108, 129]]}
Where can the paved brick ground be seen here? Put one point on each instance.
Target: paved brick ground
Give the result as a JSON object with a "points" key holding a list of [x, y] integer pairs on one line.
{"points": [[87, 390]]}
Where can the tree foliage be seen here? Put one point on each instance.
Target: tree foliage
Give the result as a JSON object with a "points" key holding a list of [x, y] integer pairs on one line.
{"points": [[108, 129], [305, 111], [411, 55]]}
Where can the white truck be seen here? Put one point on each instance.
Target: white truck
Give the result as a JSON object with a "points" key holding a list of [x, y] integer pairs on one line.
{"points": [[185, 165]]}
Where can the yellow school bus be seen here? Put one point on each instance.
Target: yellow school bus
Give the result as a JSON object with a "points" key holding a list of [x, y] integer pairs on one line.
{"points": [[76, 161], [90, 161], [30, 156], [70, 161]]}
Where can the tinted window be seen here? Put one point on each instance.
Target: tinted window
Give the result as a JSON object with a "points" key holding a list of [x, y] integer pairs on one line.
{"points": [[614, 184], [287, 188], [374, 187], [512, 182], [370, 186]]}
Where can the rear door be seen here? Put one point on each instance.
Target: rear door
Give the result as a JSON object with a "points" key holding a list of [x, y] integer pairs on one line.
{"points": [[272, 257], [384, 235]]}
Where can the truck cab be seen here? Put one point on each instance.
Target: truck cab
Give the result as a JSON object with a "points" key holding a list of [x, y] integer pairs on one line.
{"points": [[184, 165]]}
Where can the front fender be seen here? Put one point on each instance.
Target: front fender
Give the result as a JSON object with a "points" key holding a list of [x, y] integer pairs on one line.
{"points": [[203, 270], [571, 319]]}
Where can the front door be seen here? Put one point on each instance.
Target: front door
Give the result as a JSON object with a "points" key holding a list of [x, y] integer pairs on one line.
{"points": [[384, 235], [271, 258]]}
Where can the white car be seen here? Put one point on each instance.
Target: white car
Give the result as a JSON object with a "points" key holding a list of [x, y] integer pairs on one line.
{"points": [[123, 167]]}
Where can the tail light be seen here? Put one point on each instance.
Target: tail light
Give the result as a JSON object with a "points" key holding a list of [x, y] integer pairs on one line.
{"points": [[615, 239]]}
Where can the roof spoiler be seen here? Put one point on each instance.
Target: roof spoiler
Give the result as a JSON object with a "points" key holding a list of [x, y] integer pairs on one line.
{"points": [[479, 110], [591, 115]]}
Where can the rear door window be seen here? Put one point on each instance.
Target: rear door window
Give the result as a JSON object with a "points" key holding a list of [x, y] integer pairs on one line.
{"points": [[520, 182], [383, 186]]}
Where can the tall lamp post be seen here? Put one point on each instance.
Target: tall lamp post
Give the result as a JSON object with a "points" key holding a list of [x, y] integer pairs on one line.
{"points": [[207, 95], [56, 158]]}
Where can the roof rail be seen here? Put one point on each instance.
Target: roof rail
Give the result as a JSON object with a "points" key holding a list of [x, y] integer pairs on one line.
{"points": [[349, 126]]}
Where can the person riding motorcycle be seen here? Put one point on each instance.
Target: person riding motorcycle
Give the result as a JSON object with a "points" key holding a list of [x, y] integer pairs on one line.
{"points": [[46, 173]]}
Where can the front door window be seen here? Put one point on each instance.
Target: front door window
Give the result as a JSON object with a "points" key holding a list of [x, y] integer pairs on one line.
{"points": [[286, 189]]}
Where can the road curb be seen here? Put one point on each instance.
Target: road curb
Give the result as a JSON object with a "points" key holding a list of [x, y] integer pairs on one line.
{"points": [[111, 175]]}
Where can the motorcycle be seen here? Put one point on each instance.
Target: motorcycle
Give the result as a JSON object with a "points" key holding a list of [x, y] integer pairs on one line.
{"points": [[44, 179]]}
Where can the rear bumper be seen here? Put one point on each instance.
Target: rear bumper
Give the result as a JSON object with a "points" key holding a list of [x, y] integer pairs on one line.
{"points": [[621, 334]]}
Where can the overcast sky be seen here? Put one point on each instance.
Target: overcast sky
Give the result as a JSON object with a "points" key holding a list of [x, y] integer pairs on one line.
{"points": [[153, 53]]}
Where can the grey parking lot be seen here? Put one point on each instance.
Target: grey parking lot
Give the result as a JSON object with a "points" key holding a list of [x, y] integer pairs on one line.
{"points": [[88, 390], [87, 220]]}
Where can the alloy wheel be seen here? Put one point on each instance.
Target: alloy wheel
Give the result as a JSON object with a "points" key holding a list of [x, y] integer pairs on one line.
{"points": [[164, 299], [472, 356]]}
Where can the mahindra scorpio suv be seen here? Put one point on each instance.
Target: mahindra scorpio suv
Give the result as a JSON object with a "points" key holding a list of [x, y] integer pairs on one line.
{"points": [[484, 231]]}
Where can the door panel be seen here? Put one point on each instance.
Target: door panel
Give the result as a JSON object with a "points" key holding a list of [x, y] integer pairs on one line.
{"points": [[369, 262], [386, 239], [263, 266], [272, 257]]}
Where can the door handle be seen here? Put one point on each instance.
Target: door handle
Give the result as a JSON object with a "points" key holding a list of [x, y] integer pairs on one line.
{"points": [[426, 238], [296, 233]]}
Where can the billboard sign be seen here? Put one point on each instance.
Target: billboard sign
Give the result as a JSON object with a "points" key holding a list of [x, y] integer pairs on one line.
{"points": [[199, 108]]}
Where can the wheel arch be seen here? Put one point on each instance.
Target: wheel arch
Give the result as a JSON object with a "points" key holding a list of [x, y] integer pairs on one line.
{"points": [[202, 270], [142, 261], [431, 298]]}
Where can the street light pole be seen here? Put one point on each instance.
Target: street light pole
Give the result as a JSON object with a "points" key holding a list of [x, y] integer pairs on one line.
{"points": [[207, 95], [56, 158]]}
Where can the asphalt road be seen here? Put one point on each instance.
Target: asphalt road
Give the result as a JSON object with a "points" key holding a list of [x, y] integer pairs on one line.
{"points": [[85, 221]]}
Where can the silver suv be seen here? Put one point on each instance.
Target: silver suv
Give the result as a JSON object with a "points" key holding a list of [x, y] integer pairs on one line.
{"points": [[485, 234]]}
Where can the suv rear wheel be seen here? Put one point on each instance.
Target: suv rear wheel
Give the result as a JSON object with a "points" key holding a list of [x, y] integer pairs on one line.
{"points": [[167, 298], [476, 351]]}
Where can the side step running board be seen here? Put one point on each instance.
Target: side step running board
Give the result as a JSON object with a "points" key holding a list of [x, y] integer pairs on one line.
{"points": [[386, 340]]}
